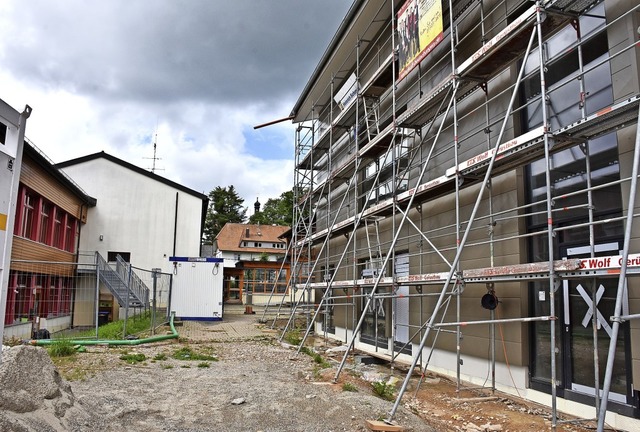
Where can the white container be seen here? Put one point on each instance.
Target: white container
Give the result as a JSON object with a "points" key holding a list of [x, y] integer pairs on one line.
{"points": [[196, 291]]}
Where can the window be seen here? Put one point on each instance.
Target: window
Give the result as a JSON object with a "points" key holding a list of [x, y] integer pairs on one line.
{"points": [[40, 220], [26, 224], [3, 133], [264, 280], [69, 234], [57, 229], [45, 209], [574, 170], [111, 256], [22, 298]]}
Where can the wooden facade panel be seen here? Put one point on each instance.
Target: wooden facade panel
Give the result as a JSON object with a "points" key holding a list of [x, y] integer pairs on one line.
{"points": [[37, 179], [24, 249]]}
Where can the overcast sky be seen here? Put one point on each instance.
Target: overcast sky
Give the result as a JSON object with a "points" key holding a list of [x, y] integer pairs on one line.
{"points": [[110, 75]]}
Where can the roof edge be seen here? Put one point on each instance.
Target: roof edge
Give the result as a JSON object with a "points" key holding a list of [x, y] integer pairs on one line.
{"points": [[337, 37], [137, 169]]}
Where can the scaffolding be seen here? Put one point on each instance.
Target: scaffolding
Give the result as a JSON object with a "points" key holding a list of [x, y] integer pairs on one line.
{"points": [[481, 171]]}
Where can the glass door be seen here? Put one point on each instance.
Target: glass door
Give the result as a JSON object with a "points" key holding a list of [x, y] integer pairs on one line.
{"points": [[583, 301], [374, 326]]}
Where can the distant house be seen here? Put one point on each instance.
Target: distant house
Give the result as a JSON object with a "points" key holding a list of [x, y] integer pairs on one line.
{"points": [[254, 262], [51, 213], [143, 217]]}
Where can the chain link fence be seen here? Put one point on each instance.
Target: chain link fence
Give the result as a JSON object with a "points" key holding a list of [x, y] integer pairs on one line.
{"points": [[84, 300]]}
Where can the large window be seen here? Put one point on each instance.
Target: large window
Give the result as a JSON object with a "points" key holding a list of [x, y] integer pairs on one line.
{"points": [[32, 295], [39, 220], [379, 182], [262, 280], [583, 185]]}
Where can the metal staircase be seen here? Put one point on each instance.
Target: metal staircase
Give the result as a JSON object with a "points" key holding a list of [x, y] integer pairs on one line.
{"points": [[123, 283]]}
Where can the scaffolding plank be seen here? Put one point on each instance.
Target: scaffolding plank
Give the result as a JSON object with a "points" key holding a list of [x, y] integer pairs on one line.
{"points": [[495, 43], [518, 269], [568, 268], [510, 152], [603, 121], [372, 87], [504, 150]]}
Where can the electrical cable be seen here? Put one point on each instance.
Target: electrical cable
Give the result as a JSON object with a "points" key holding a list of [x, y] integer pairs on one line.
{"points": [[506, 358]]}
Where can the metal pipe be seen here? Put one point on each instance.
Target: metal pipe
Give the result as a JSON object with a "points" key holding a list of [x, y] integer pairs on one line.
{"points": [[496, 321], [396, 235], [624, 318], [467, 230], [113, 342], [615, 327], [274, 122], [97, 303], [550, 237]]}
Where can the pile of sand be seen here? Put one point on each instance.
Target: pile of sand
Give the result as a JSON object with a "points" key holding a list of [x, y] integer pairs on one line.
{"points": [[33, 395]]}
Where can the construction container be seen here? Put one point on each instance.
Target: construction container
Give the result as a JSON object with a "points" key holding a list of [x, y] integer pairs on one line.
{"points": [[196, 292]]}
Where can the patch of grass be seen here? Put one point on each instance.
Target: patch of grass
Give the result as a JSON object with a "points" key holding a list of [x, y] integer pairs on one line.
{"points": [[114, 330], [316, 357], [185, 366], [72, 369], [186, 353], [293, 337], [347, 386], [317, 372], [384, 390], [203, 365], [133, 358], [167, 366], [61, 348], [160, 357]]}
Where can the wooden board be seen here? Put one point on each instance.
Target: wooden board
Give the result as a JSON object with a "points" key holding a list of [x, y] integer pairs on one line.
{"points": [[375, 425]]}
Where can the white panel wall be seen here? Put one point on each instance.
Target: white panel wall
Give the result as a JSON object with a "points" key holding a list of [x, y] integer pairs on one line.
{"points": [[196, 292], [137, 214]]}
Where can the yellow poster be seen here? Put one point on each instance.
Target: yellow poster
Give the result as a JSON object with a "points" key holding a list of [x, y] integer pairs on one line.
{"points": [[419, 28]]}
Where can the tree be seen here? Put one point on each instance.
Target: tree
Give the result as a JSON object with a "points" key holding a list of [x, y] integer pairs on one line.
{"points": [[225, 205], [278, 211]]}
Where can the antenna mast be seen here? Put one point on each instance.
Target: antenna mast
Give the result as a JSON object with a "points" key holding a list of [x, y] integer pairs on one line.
{"points": [[154, 158]]}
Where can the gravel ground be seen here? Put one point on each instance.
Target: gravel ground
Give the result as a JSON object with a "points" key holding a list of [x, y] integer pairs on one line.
{"points": [[257, 384]]}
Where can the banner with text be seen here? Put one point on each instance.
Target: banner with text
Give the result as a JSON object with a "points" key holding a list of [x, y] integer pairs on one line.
{"points": [[419, 32]]}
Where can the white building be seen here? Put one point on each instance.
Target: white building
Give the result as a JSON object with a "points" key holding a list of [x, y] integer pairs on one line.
{"points": [[142, 217]]}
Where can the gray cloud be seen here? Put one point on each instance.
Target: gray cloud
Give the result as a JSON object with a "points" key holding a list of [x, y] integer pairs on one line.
{"points": [[236, 52], [107, 75]]}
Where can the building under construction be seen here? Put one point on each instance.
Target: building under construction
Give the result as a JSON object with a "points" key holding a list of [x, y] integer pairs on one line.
{"points": [[466, 178]]}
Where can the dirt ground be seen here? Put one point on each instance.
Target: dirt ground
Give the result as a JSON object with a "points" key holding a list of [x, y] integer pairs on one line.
{"points": [[250, 382]]}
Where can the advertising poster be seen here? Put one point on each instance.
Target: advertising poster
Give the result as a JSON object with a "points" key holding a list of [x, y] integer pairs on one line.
{"points": [[419, 32]]}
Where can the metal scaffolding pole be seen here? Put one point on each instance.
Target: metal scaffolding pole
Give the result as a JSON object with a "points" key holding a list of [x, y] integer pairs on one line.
{"points": [[467, 230], [615, 327], [350, 239], [536, 146], [549, 201], [395, 238]]}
